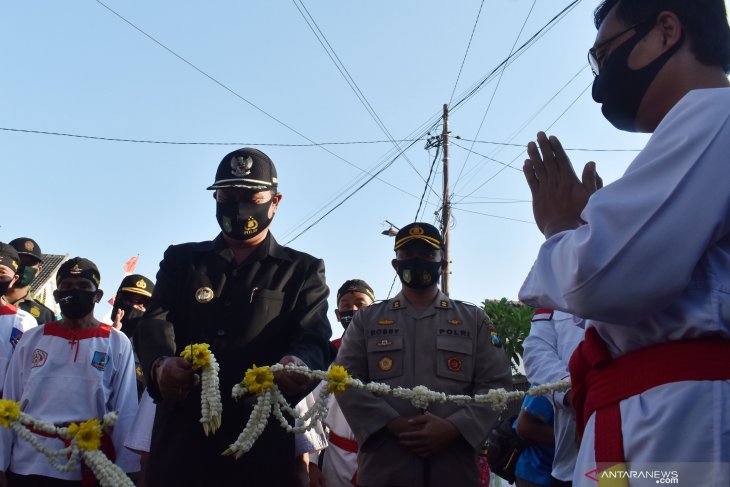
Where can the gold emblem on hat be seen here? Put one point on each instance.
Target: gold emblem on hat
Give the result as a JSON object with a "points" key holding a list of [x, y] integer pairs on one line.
{"points": [[29, 245], [95, 278], [454, 322], [416, 231], [204, 295], [75, 269], [384, 343], [454, 364], [385, 322], [141, 284], [251, 225], [15, 265], [35, 312], [241, 166], [385, 364]]}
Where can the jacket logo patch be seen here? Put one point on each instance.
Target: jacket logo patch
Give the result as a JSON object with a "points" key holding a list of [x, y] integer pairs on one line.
{"points": [[384, 343], [15, 337], [454, 322], [454, 364], [204, 295], [36, 312], [385, 364], [385, 322], [496, 341], [38, 358], [100, 360]]}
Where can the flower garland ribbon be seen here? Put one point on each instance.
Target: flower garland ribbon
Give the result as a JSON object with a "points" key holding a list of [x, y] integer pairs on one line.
{"points": [[211, 409]]}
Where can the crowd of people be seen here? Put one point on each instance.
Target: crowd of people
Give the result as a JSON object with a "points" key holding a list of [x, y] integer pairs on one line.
{"points": [[630, 290]]}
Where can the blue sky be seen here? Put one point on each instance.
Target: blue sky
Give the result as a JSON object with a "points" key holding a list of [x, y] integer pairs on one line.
{"points": [[75, 67]]}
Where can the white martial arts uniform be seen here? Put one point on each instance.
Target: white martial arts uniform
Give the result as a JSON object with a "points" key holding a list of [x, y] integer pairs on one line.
{"points": [[339, 465], [63, 376], [553, 337], [652, 265], [140, 433], [13, 323]]}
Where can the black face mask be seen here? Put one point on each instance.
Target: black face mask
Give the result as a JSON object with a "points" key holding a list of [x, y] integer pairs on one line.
{"points": [[5, 284], [130, 319], [346, 318], [27, 274], [76, 303], [620, 89], [418, 273], [243, 220]]}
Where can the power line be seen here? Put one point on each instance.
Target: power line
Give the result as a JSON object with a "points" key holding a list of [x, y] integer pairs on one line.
{"points": [[485, 157], [473, 29], [494, 93], [494, 216], [425, 189]]}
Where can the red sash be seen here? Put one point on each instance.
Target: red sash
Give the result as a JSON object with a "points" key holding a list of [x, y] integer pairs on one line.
{"points": [[343, 443], [600, 382]]}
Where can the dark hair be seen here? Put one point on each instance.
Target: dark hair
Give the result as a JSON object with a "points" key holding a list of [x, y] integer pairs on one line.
{"points": [[705, 22]]}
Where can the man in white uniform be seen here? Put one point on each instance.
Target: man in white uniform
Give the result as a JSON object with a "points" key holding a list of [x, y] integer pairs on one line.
{"points": [[70, 371], [13, 321], [553, 337], [646, 260]]}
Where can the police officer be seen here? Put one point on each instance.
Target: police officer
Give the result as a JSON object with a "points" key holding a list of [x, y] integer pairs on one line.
{"points": [[255, 302], [421, 337], [31, 260], [130, 302]]}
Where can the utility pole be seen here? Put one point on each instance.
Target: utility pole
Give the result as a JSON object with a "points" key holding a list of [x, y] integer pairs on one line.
{"points": [[446, 209]]}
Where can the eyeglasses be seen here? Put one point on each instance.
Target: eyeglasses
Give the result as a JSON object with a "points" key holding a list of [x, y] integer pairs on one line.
{"points": [[593, 60]]}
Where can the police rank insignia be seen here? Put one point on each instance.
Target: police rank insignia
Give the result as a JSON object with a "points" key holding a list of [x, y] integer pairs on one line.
{"points": [[385, 364], [35, 311], [204, 295], [15, 336], [396, 304], [454, 364], [99, 360], [385, 322], [454, 322], [443, 304], [38, 359]]}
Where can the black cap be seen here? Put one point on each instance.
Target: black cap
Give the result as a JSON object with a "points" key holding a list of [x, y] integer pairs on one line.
{"points": [[138, 284], [9, 257], [246, 168], [27, 246], [355, 286], [419, 231], [79, 267]]}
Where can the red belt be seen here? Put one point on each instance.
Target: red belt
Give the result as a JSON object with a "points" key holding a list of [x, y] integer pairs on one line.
{"points": [[343, 443], [600, 382]]}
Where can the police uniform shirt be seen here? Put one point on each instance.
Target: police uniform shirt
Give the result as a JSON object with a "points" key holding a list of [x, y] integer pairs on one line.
{"points": [[13, 323], [37, 310], [449, 347], [652, 265], [62, 376]]}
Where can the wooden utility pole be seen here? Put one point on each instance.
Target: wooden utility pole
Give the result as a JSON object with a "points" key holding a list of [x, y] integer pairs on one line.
{"points": [[446, 210]]}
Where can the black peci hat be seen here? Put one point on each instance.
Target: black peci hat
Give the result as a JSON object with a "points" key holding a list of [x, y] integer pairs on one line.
{"points": [[419, 231], [355, 286], [9, 257], [78, 267], [246, 168]]}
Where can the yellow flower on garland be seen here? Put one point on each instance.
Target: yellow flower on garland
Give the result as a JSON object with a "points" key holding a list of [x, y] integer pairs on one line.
{"points": [[258, 379], [87, 434], [9, 412], [198, 354], [337, 379]]}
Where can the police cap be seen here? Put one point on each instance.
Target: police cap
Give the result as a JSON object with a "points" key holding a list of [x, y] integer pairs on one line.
{"points": [[138, 284], [27, 246], [246, 168], [419, 231]]}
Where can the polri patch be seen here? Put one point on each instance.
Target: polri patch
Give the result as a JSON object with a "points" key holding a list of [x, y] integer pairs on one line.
{"points": [[38, 359], [15, 336], [454, 364], [385, 364], [35, 311], [99, 360]]}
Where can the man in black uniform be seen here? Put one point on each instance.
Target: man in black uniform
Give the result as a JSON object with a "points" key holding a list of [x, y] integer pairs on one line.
{"points": [[255, 302], [31, 260]]}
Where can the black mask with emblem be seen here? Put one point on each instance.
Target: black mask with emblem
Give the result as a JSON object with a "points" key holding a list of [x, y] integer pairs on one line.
{"points": [[346, 318], [27, 274], [75, 303], [418, 273], [243, 220]]}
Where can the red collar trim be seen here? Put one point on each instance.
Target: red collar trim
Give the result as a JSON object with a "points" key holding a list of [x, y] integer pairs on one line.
{"points": [[8, 309], [52, 329]]}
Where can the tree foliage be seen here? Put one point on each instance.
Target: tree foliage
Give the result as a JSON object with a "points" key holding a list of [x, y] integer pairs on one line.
{"points": [[512, 321]]}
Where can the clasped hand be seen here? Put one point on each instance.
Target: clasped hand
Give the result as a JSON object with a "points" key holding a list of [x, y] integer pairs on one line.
{"points": [[424, 435], [558, 197]]}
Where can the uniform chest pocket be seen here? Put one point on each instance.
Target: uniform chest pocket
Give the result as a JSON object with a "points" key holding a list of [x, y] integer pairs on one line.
{"points": [[266, 304], [454, 358], [385, 357]]}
